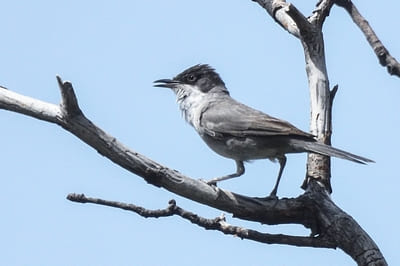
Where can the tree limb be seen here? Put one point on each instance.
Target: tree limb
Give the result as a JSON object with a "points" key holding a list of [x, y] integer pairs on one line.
{"points": [[321, 11], [253, 209], [310, 34], [309, 31], [218, 223], [314, 209], [277, 9], [69, 105], [291, 19], [330, 226], [385, 59]]}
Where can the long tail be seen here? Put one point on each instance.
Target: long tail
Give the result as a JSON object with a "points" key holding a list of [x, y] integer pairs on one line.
{"points": [[324, 149]]}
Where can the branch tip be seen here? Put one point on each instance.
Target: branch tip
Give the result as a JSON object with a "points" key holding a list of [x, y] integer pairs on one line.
{"points": [[69, 103], [81, 198], [59, 81], [384, 57], [333, 93]]}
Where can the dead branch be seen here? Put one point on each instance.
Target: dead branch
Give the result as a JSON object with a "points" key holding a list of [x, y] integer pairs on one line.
{"points": [[253, 209], [218, 223], [321, 11], [314, 209], [330, 226], [309, 32], [385, 59]]}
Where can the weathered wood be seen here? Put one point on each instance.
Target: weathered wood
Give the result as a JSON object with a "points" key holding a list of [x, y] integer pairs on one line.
{"points": [[384, 57], [332, 220], [330, 226]]}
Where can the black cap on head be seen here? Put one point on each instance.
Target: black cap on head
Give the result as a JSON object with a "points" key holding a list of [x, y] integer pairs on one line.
{"points": [[201, 75]]}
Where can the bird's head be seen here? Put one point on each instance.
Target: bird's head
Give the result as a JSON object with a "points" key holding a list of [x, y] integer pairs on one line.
{"points": [[199, 78]]}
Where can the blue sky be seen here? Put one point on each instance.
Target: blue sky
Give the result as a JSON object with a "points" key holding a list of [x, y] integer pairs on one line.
{"points": [[112, 51]]}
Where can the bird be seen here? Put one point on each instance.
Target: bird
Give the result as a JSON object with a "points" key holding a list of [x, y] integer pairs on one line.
{"points": [[237, 131]]}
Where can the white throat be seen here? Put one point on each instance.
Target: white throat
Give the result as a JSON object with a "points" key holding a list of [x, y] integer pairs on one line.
{"points": [[191, 101]]}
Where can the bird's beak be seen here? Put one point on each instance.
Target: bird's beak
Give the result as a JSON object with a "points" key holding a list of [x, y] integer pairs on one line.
{"points": [[166, 83]]}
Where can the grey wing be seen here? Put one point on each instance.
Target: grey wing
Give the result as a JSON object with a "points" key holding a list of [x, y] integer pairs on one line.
{"points": [[229, 117]]}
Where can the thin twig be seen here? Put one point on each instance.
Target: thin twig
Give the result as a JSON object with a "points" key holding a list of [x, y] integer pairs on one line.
{"points": [[385, 59], [218, 223]]}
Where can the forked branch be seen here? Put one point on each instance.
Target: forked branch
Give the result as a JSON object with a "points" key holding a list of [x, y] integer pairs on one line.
{"points": [[218, 223], [330, 226], [309, 32], [282, 12], [69, 116], [314, 209]]}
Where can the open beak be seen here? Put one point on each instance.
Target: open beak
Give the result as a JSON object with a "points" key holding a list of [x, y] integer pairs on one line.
{"points": [[166, 83]]}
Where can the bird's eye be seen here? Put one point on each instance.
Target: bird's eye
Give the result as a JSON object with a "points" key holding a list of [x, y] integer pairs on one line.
{"points": [[191, 78]]}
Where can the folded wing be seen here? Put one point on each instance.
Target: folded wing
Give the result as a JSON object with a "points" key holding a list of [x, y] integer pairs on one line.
{"points": [[230, 117]]}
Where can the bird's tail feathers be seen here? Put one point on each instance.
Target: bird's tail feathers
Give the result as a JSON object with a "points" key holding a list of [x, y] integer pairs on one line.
{"points": [[324, 149]]}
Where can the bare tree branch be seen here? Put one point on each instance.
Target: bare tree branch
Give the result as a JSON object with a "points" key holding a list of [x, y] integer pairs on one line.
{"points": [[218, 223], [309, 31], [291, 19], [385, 59], [301, 21], [321, 11], [253, 209], [330, 226], [28, 106], [146, 213], [278, 11], [69, 105], [318, 166], [310, 34], [314, 209]]}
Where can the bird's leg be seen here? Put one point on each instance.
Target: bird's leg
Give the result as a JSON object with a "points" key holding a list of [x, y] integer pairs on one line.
{"points": [[282, 162], [239, 172]]}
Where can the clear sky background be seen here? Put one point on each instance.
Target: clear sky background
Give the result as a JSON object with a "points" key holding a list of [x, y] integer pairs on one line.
{"points": [[112, 51]]}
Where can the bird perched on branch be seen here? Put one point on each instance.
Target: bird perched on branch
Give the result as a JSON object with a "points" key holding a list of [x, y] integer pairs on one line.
{"points": [[237, 131]]}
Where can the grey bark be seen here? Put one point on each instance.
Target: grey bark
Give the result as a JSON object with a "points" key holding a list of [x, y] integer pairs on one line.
{"points": [[347, 233], [330, 226]]}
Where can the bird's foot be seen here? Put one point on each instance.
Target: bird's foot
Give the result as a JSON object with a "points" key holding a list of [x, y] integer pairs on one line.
{"points": [[271, 197], [212, 183], [209, 182]]}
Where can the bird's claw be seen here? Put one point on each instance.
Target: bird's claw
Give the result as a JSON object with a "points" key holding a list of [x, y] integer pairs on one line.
{"points": [[209, 182], [212, 183], [271, 197]]}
